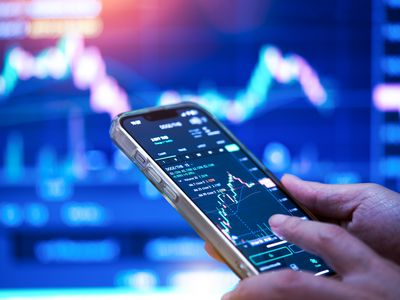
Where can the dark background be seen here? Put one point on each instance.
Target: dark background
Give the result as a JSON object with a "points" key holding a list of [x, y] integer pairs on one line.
{"points": [[108, 226]]}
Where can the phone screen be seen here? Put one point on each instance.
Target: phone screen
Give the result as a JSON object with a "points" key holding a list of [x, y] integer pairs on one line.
{"points": [[224, 183]]}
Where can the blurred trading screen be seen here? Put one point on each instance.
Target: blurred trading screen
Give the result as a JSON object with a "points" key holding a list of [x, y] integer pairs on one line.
{"points": [[299, 84]]}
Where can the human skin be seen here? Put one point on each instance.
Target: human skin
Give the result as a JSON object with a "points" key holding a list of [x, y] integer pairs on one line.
{"points": [[369, 216], [368, 211]]}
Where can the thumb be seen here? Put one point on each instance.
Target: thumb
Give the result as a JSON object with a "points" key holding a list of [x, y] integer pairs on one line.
{"points": [[326, 200], [287, 284], [342, 251]]}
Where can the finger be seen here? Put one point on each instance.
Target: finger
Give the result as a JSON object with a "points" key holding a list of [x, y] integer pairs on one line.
{"points": [[287, 284], [212, 252], [326, 200], [342, 251]]}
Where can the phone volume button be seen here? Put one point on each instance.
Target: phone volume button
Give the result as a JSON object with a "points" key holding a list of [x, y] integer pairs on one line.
{"points": [[140, 159], [152, 174], [244, 268], [169, 192]]}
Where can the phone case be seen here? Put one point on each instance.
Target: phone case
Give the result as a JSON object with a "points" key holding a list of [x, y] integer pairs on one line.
{"points": [[178, 199]]}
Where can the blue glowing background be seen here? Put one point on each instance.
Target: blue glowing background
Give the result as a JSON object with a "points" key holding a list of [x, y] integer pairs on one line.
{"points": [[292, 80]]}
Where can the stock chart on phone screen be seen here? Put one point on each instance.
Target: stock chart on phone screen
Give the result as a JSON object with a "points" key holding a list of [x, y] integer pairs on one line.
{"points": [[225, 183], [307, 88]]}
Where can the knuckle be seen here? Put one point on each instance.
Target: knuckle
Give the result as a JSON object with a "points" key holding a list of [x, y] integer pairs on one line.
{"points": [[329, 234], [372, 186], [336, 201], [291, 226], [371, 189], [314, 198]]}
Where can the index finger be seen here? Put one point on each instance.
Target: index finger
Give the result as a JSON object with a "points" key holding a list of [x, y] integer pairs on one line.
{"points": [[326, 200], [342, 251], [288, 284]]}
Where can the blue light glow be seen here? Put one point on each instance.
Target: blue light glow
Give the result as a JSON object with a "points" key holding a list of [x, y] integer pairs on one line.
{"points": [[175, 249], [277, 157], [138, 279], [36, 214], [11, 214], [83, 214], [272, 66], [64, 250]]}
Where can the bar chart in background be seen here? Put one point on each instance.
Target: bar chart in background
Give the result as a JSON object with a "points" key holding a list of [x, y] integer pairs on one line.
{"points": [[386, 95], [296, 92]]}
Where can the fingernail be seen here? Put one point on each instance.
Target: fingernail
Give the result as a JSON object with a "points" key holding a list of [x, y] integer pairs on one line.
{"points": [[277, 220]]}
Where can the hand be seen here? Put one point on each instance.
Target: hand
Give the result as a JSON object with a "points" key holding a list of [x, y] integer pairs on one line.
{"points": [[368, 211], [364, 275]]}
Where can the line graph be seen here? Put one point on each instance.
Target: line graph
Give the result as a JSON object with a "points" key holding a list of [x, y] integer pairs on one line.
{"points": [[69, 58], [272, 66], [231, 180], [228, 207], [222, 209]]}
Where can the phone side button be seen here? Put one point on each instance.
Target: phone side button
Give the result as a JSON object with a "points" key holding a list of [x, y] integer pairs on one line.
{"points": [[140, 159], [170, 194], [153, 175], [244, 268]]}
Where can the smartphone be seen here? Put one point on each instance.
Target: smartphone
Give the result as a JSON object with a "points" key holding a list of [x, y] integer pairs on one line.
{"points": [[216, 184]]}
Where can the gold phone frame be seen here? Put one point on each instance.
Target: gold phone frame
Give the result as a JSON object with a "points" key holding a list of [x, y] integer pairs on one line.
{"points": [[177, 198]]}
